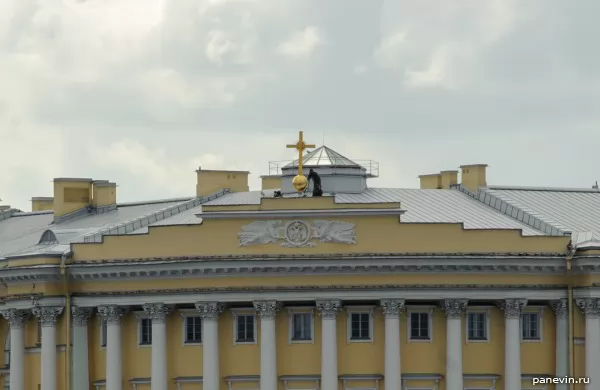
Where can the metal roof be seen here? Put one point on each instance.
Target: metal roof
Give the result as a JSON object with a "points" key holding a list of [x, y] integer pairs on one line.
{"points": [[324, 156], [422, 206], [572, 210]]}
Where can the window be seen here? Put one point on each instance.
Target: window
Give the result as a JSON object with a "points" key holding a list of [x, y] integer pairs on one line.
{"points": [[193, 330], [477, 326], [145, 331], [302, 324], [245, 328], [420, 326], [103, 333], [360, 324], [530, 326]]}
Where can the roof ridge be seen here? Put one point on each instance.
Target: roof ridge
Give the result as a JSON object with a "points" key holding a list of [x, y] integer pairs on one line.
{"points": [[146, 220], [516, 211], [553, 189]]}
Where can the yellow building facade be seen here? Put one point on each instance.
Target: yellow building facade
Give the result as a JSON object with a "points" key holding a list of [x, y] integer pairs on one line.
{"points": [[457, 285]]}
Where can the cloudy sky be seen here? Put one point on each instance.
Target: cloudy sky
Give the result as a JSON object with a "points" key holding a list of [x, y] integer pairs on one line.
{"points": [[142, 92]]}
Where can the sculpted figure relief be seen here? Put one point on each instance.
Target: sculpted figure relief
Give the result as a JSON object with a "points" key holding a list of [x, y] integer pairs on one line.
{"points": [[297, 234]]}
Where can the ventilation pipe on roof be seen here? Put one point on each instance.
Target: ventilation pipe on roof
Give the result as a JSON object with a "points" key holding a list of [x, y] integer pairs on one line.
{"points": [[211, 181], [473, 177], [448, 179], [431, 181]]}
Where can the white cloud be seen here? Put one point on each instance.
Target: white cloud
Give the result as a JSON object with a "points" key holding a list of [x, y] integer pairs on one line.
{"points": [[302, 43], [132, 90]]}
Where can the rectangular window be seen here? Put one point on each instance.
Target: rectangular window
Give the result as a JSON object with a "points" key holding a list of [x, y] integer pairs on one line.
{"points": [[301, 327], [530, 326], [193, 330], [245, 328], [103, 333], [477, 326], [419, 326], [360, 328], [145, 331]]}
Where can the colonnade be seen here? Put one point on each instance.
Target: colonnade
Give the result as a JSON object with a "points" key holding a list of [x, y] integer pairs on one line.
{"points": [[267, 311]]}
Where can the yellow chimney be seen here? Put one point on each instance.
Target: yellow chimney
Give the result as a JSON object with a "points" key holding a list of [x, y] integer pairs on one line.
{"points": [[448, 178], [431, 182], [42, 203], [473, 176], [71, 194], [271, 182], [211, 181], [104, 193]]}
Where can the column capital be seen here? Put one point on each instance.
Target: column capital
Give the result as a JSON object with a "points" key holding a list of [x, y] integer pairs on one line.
{"points": [[454, 308], [16, 318], [158, 312], [329, 309], [266, 309], [589, 306], [560, 308], [47, 315], [112, 314], [81, 315], [392, 308], [210, 310], [512, 308]]}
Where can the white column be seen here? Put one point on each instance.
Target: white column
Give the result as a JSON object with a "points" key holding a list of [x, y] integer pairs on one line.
{"points": [[591, 310], [392, 308], [328, 311], [158, 313], [512, 341], [80, 358], [268, 344], [16, 319], [560, 309], [210, 311], [454, 309], [47, 317], [114, 374]]}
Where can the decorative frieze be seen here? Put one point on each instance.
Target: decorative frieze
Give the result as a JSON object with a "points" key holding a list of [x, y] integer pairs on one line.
{"points": [[560, 308], [512, 308], [16, 318], [81, 315], [210, 310], [329, 309], [454, 308], [297, 233], [158, 312], [112, 314], [266, 309], [392, 308], [47, 315], [590, 307]]}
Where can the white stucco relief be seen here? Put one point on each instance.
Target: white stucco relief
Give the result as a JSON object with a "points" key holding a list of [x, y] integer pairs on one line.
{"points": [[297, 233]]}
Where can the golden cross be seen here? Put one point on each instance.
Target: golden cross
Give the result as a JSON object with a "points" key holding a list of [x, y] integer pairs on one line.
{"points": [[300, 146]]}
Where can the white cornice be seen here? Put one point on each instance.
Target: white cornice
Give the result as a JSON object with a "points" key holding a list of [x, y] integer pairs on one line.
{"points": [[279, 214], [298, 265], [311, 293]]}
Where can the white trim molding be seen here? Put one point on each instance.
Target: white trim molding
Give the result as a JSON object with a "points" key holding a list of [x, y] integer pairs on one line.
{"points": [[139, 316], [185, 314], [279, 214], [292, 310], [419, 309], [370, 310], [539, 310], [235, 313], [478, 309]]}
